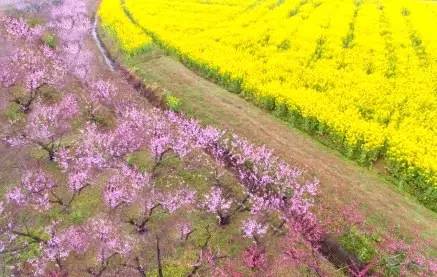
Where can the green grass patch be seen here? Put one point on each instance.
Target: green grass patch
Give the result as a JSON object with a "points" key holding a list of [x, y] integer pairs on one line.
{"points": [[39, 154], [34, 21], [83, 207], [88, 203], [49, 95], [31, 251], [359, 244], [173, 269], [141, 160], [49, 40], [14, 113], [104, 118]]}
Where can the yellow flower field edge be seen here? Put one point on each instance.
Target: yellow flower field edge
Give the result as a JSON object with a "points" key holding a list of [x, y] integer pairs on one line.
{"points": [[414, 169], [130, 38]]}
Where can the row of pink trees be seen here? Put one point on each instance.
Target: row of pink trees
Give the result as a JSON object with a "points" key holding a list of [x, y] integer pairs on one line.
{"points": [[96, 152]]}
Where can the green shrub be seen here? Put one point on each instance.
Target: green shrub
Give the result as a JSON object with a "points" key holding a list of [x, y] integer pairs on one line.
{"points": [[171, 270], [104, 118], [405, 12], [14, 112], [391, 264], [35, 21], [359, 244], [173, 102], [284, 45], [141, 160], [49, 95], [293, 12], [19, 94], [49, 40]]}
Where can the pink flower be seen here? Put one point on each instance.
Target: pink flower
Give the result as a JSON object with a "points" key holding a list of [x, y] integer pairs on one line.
{"points": [[103, 92], [130, 134], [16, 196], [7, 77], [78, 179], [15, 141], [124, 187], [254, 257], [352, 215], [433, 266], [185, 229], [19, 29], [215, 201], [251, 229], [35, 79], [33, 190], [178, 199], [108, 238], [48, 122], [263, 204]]}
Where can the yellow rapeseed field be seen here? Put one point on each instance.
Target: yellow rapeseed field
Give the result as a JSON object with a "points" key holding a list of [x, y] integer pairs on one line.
{"points": [[361, 72], [129, 36]]}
